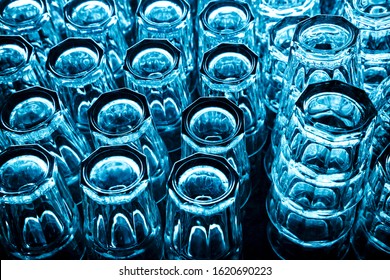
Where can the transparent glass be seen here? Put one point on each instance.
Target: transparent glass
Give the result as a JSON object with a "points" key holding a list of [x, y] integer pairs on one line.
{"points": [[38, 218], [371, 238], [331, 7], [78, 72], [36, 116], [153, 68], [222, 22], [203, 214], [123, 117], [231, 70], [31, 19], [215, 125], [19, 68], [320, 169], [373, 20], [126, 19], [98, 20], [121, 217], [275, 63], [171, 20]]}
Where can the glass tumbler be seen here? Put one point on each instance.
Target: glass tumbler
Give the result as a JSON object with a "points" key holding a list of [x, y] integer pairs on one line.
{"points": [[203, 212], [123, 117], [98, 20], [215, 125], [36, 116], [78, 72], [371, 238], [38, 218], [153, 68], [19, 68], [232, 71], [320, 170], [121, 217]]}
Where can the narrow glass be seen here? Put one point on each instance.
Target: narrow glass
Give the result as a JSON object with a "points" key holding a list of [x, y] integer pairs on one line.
{"points": [[121, 217], [171, 20], [215, 125], [98, 20], [36, 116], [203, 212], [31, 19], [231, 70], [38, 218], [320, 170], [78, 72], [153, 68], [19, 68], [373, 20], [123, 117], [371, 238]]}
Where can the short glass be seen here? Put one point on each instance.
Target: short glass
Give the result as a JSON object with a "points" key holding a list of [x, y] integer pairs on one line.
{"points": [[203, 211], [121, 217], [38, 218]]}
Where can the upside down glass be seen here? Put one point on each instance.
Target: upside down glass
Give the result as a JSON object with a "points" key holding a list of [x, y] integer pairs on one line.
{"points": [[38, 218], [121, 217], [203, 211]]}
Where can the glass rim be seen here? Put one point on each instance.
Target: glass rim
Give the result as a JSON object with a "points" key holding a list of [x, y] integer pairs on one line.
{"points": [[23, 44], [28, 23]]}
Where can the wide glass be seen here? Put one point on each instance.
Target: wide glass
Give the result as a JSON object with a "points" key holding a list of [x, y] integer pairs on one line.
{"points": [[203, 212], [371, 238], [98, 20], [123, 117], [320, 170], [153, 68], [215, 125], [36, 116], [121, 217], [78, 72], [38, 218]]}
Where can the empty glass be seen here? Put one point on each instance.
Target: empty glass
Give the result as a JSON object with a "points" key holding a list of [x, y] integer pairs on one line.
{"points": [[215, 125], [123, 117], [36, 116], [121, 217], [320, 170], [203, 211], [38, 218], [126, 19], [153, 68]]}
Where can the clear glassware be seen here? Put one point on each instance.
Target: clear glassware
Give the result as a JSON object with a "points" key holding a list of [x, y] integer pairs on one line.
{"points": [[331, 7], [203, 212], [275, 63], [215, 125], [126, 19], [320, 170], [31, 19], [373, 20], [153, 68], [225, 22], [121, 217], [324, 47], [98, 20], [19, 68], [171, 20], [232, 71], [36, 116], [78, 72], [39, 219], [371, 233], [123, 117]]}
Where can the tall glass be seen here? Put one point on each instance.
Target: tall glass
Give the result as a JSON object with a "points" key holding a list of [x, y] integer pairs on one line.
{"points": [[36, 116], [203, 212], [121, 217], [320, 170], [39, 220], [153, 68], [215, 125], [78, 72], [123, 117]]}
